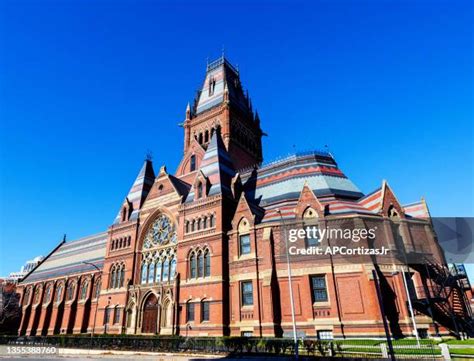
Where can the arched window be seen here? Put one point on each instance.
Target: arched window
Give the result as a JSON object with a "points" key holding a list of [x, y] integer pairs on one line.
{"points": [[200, 264], [192, 225], [112, 246], [192, 167], [70, 292], [121, 243], [122, 275], [192, 264], [206, 136], [187, 226], [200, 138], [37, 295], [59, 292], [112, 277], [204, 223], [96, 291], [207, 264], [173, 268], [84, 290], [151, 273], [212, 221], [159, 266], [26, 297], [199, 224], [166, 270], [244, 237], [144, 273], [129, 240], [117, 277], [47, 296]]}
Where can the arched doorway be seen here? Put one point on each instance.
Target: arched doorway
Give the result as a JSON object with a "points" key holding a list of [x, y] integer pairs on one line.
{"points": [[150, 314]]}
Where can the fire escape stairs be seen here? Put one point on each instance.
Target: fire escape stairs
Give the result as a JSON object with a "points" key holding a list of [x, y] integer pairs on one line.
{"points": [[443, 298]]}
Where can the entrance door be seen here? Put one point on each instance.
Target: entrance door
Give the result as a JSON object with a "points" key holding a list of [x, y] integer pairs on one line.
{"points": [[150, 315]]}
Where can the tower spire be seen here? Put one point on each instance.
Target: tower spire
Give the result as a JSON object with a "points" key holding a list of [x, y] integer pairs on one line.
{"points": [[188, 111]]}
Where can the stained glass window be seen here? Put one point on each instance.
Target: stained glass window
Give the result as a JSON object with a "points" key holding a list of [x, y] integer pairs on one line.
{"points": [[172, 268], [158, 271]]}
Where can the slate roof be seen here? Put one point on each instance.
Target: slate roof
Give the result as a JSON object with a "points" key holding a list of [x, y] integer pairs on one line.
{"points": [[68, 259], [140, 188], [416, 210], [221, 76], [217, 167], [284, 179]]}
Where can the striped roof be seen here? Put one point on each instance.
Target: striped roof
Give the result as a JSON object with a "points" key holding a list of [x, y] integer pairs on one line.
{"points": [[284, 179], [372, 201], [340, 207], [221, 76], [217, 167], [68, 259], [416, 210], [140, 188]]}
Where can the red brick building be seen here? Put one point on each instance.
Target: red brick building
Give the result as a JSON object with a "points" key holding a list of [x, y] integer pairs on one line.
{"points": [[202, 251]]}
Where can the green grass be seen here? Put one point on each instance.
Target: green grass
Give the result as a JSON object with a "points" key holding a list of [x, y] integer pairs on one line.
{"points": [[360, 350], [358, 342], [412, 342], [461, 342], [461, 351]]}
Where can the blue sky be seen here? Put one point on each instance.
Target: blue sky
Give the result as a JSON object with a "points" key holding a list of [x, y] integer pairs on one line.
{"points": [[86, 87]]}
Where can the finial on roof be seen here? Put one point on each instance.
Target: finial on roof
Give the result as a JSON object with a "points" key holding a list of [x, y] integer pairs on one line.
{"points": [[64, 237], [188, 111], [223, 52], [148, 155], [257, 117]]}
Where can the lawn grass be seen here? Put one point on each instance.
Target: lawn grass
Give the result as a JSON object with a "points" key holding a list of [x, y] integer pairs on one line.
{"points": [[461, 342], [461, 351], [358, 342]]}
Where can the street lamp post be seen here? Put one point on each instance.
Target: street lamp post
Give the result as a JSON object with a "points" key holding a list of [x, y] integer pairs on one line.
{"points": [[97, 306], [292, 303]]}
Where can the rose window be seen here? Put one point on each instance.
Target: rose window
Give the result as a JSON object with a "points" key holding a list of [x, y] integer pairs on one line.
{"points": [[162, 232]]}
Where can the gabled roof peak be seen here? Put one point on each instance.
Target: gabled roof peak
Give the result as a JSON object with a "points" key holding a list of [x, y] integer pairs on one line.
{"points": [[221, 85], [217, 167], [140, 188]]}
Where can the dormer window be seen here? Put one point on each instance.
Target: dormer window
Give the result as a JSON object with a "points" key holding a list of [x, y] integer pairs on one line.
{"points": [[212, 86], [199, 190], [124, 213]]}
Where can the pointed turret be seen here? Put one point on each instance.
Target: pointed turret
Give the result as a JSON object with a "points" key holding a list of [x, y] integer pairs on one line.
{"points": [[257, 117], [137, 194], [188, 112], [217, 168], [221, 78]]}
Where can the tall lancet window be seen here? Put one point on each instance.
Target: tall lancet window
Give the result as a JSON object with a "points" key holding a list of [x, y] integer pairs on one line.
{"points": [[158, 271], [172, 268], [151, 273], [144, 273], [166, 270]]}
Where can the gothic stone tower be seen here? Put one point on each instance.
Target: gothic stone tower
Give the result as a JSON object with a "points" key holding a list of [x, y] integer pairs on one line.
{"points": [[222, 105]]}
